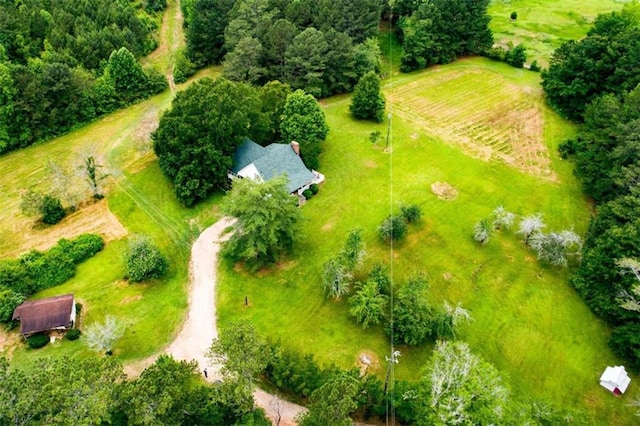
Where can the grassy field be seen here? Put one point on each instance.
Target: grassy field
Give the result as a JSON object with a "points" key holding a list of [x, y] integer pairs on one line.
{"points": [[543, 25], [476, 125], [527, 320]]}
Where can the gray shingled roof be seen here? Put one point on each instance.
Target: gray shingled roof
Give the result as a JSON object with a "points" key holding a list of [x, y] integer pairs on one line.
{"points": [[44, 314], [273, 161]]}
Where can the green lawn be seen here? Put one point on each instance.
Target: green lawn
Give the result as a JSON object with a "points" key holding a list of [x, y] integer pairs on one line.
{"points": [[527, 320], [543, 25]]}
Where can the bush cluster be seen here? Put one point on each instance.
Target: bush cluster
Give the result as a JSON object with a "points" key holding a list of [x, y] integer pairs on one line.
{"points": [[37, 340], [73, 334], [307, 194]]}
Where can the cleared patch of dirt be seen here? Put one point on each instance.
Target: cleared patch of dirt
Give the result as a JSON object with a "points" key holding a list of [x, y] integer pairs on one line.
{"points": [[130, 299], [9, 341], [370, 164], [367, 361], [92, 219], [414, 136], [327, 226], [285, 266], [447, 276], [444, 191]]}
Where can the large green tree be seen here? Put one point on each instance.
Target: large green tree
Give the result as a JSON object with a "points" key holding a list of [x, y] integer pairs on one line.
{"points": [[303, 121], [605, 61], [197, 137], [306, 61], [368, 102], [267, 221]]}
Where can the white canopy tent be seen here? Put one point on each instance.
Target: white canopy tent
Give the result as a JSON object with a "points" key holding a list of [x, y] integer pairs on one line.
{"points": [[615, 379]]}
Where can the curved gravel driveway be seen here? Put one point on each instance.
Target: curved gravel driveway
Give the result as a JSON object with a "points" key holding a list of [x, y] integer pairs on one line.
{"points": [[200, 328]]}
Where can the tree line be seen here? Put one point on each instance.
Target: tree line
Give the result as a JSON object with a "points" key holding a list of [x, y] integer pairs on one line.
{"points": [[455, 386], [64, 63], [320, 46], [595, 81]]}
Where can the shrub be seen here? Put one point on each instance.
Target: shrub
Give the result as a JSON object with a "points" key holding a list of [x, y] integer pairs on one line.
{"points": [[184, 67], [516, 56], [534, 66], [82, 247], [514, 16], [73, 334], [411, 213], [52, 210], [314, 188], [393, 228], [496, 53], [78, 308], [37, 340], [144, 261], [307, 194], [9, 301], [482, 231]]}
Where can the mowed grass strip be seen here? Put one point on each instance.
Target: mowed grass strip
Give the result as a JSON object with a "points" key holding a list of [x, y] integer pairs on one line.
{"points": [[543, 25], [527, 319]]}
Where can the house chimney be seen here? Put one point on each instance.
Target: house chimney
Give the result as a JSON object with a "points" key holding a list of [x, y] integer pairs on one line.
{"points": [[296, 147]]}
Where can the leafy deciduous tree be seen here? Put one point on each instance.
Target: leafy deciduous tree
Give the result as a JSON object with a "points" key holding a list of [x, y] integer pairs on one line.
{"points": [[368, 102], [143, 260], [394, 228], [101, 337], [196, 139], [303, 121], [368, 305], [267, 221], [530, 225], [458, 387], [336, 278]]}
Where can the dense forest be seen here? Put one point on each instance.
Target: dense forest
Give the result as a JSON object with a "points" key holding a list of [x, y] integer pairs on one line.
{"points": [[595, 81], [64, 63], [320, 46]]}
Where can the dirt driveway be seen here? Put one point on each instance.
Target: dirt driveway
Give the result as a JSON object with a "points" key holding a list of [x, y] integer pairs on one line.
{"points": [[200, 328]]}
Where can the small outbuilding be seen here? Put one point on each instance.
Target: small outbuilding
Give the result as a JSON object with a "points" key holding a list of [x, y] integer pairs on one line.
{"points": [[615, 379], [53, 313]]}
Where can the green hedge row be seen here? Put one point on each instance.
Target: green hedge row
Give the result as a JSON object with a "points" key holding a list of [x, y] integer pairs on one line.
{"points": [[36, 270]]}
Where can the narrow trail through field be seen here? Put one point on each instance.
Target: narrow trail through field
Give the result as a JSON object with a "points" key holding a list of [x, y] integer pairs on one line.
{"points": [[199, 328]]}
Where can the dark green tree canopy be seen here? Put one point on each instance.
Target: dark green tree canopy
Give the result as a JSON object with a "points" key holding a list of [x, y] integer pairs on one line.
{"points": [[605, 61], [320, 46], [196, 139], [439, 31]]}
